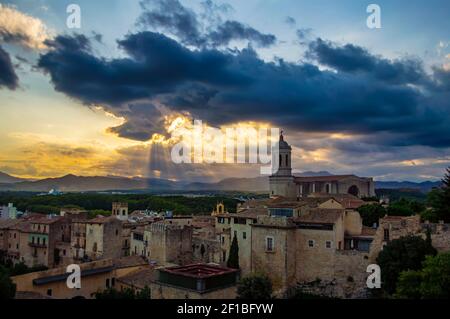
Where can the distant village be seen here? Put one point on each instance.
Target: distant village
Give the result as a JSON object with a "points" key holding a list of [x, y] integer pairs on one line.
{"points": [[308, 232]]}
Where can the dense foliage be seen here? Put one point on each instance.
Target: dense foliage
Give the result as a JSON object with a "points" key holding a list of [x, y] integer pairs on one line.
{"points": [[7, 287], [439, 201], [431, 282], [256, 286], [102, 202], [371, 214], [405, 253]]}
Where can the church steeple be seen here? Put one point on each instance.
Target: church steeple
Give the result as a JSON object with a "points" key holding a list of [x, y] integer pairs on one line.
{"points": [[284, 157]]}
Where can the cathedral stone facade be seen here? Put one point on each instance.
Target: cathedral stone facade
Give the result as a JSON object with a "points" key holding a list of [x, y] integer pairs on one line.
{"points": [[283, 183]]}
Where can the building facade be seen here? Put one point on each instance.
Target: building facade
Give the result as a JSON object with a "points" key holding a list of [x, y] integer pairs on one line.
{"points": [[284, 183]]}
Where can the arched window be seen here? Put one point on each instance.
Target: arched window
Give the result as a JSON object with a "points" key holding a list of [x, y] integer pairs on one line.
{"points": [[287, 159], [281, 160]]}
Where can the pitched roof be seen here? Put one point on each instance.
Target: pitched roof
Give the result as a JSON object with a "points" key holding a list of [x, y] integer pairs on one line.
{"points": [[320, 216], [139, 278]]}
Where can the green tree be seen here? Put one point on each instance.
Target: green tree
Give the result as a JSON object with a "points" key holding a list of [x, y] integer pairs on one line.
{"points": [[371, 214], [432, 282], [7, 287], [233, 258], [439, 199], [408, 285], [144, 293], [405, 253], [256, 286], [405, 207]]}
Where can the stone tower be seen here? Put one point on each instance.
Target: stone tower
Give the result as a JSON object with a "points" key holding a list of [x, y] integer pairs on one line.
{"points": [[281, 182], [120, 210]]}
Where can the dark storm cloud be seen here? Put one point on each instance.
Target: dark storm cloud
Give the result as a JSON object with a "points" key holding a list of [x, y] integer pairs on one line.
{"points": [[372, 97], [171, 16], [352, 58], [8, 76], [142, 121]]}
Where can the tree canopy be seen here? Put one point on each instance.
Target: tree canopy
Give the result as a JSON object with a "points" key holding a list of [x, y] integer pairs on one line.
{"points": [[431, 282], [405, 253], [255, 286]]}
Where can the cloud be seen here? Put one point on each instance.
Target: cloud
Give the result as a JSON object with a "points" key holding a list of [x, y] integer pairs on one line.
{"points": [[373, 96], [290, 21], [354, 59], [17, 27], [202, 30], [8, 76], [233, 30]]}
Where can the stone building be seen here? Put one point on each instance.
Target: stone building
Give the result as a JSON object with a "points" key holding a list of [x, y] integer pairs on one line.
{"points": [[170, 242], [103, 238], [139, 242], [283, 183], [120, 210], [44, 237], [78, 241], [300, 241]]}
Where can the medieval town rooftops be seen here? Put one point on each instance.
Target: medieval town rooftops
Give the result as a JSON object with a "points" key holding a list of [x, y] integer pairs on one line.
{"points": [[49, 219], [281, 202], [320, 216], [102, 220], [199, 271], [129, 261], [139, 279], [8, 223]]}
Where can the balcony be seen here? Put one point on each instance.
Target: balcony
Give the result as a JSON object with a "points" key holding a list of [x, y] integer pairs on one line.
{"points": [[36, 245]]}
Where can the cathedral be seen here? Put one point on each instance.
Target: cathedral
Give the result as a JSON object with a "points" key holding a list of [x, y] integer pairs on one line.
{"points": [[283, 183]]}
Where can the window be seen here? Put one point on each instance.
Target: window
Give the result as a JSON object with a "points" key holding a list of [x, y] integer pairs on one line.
{"points": [[43, 241], [269, 243], [123, 212], [64, 252], [223, 240], [224, 256], [17, 246], [14, 235], [328, 244], [386, 235], [39, 241], [113, 282], [235, 233], [117, 232], [107, 283], [49, 292], [244, 235], [311, 243]]}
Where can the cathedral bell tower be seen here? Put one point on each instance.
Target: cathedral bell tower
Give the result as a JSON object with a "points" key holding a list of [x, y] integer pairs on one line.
{"points": [[281, 182]]}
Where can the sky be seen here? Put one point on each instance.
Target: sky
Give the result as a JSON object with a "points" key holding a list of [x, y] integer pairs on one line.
{"points": [[103, 99]]}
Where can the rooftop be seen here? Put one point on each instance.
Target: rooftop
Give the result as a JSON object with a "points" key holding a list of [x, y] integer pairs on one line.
{"points": [[320, 216], [329, 178], [199, 271], [139, 278]]}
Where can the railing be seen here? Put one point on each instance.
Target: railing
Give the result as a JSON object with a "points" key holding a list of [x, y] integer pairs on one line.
{"points": [[40, 245]]}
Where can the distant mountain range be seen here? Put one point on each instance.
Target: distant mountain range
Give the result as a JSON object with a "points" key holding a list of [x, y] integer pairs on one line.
{"points": [[72, 183]]}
